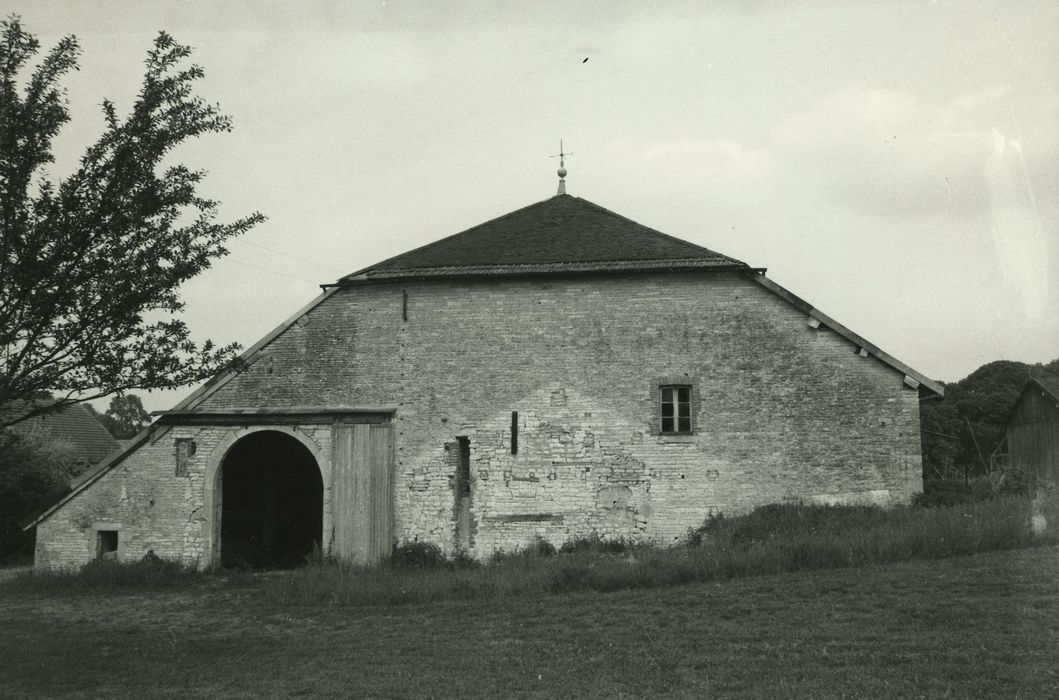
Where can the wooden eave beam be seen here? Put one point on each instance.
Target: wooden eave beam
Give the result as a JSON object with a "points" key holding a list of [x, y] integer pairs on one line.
{"points": [[924, 382]]}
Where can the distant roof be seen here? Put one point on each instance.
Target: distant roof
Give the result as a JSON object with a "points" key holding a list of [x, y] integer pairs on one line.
{"points": [[76, 426], [560, 234], [1050, 385]]}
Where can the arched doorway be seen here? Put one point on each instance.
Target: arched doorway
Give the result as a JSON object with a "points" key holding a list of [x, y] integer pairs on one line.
{"points": [[271, 502]]}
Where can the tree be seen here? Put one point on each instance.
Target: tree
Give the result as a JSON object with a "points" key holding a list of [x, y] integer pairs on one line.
{"points": [[125, 417], [35, 475], [90, 265], [960, 432]]}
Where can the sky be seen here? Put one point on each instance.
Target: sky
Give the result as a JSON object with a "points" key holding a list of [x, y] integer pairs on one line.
{"points": [[896, 164]]}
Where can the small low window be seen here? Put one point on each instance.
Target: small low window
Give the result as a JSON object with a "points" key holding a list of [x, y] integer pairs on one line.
{"points": [[676, 409], [107, 544]]}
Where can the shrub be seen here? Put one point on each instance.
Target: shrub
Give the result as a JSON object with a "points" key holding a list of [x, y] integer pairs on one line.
{"points": [[539, 548], [767, 523], [418, 555], [463, 560], [596, 544]]}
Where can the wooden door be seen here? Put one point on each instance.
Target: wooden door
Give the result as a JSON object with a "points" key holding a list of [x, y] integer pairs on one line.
{"points": [[362, 492]]}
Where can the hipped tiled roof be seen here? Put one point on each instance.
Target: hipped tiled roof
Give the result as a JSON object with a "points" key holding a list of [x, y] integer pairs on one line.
{"points": [[75, 426], [560, 234]]}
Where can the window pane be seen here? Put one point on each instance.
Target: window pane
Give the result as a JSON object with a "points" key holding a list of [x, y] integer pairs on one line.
{"points": [[667, 409], [667, 425], [667, 394], [684, 394], [685, 424]]}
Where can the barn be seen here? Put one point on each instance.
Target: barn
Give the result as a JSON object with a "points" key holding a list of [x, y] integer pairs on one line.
{"points": [[556, 372], [1030, 444]]}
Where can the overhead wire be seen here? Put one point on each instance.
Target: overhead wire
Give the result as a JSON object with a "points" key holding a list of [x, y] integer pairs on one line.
{"points": [[292, 257], [274, 272], [285, 255]]}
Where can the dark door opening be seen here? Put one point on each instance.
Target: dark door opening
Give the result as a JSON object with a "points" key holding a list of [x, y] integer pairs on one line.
{"points": [[272, 503], [463, 496]]}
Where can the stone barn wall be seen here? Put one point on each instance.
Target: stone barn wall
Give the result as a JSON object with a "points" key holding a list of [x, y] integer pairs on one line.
{"points": [[782, 411]]}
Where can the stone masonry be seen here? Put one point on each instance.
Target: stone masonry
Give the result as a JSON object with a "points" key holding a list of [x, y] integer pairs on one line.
{"points": [[782, 411]]}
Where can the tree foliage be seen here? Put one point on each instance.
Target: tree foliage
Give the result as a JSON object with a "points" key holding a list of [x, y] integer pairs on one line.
{"points": [[124, 418], [35, 475], [961, 431], [90, 265]]}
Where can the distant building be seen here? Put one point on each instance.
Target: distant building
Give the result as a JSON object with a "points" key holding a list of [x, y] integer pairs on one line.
{"points": [[1031, 438], [558, 372], [76, 431]]}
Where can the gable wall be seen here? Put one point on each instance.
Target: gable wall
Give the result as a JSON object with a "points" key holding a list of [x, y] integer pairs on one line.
{"points": [[785, 412]]}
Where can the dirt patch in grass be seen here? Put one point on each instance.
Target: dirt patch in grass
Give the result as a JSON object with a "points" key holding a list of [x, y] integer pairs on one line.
{"points": [[964, 627]]}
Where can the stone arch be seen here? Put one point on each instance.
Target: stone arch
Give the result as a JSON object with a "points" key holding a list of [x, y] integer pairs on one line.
{"points": [[213, 502]]}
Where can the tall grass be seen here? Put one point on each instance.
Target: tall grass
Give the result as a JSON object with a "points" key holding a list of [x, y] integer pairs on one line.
{"points": [[769, 540], [107, 575], [772, 539]]}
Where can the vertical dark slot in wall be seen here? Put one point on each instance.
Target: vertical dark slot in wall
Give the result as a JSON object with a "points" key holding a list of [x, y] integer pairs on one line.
{"points": [[464, 540], [514, 432], [463, 468], [404, 306]]}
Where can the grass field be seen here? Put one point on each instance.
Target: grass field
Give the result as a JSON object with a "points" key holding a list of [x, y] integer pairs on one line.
{"points": [[976, 626]]}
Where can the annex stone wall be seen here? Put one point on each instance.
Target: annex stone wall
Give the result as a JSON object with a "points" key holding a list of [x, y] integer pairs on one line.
{"points": [[153, 504]]}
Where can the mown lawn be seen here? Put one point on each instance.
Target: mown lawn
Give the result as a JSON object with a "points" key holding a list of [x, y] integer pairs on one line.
{"points": [[978, 626]]}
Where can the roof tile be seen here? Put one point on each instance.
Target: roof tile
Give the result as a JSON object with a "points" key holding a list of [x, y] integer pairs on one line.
{"points": [[560, 234]]}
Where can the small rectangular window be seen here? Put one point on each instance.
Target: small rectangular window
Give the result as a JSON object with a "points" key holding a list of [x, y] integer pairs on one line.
{"points": [[676, 409], [107, 544], [185, 448]]}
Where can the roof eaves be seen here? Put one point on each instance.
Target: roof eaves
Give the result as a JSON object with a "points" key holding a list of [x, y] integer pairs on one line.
{"points": [[88, 478], [214, 385], [1048, 387], [195, 399], [672, 264], [1030, 383], [799, 303]]}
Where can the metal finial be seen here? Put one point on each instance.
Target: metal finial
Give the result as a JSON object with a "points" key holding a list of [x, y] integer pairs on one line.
{"points": [[561, 172]]}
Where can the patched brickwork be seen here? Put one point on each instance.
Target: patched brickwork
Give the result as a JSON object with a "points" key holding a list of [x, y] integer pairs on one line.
{"points": [[782, 411]]}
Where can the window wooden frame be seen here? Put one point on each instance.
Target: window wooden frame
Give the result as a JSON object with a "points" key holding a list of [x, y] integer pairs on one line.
{"points": [[675, 409]]}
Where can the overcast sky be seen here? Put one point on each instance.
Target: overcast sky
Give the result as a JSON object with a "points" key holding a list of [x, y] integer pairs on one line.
{"points": [[894, 163]]}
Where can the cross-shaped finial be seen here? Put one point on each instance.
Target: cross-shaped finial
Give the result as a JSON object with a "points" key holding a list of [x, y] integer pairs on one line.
{"points": [[561, 155]]}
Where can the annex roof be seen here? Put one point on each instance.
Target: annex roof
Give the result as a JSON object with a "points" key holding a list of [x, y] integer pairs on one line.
{"points": [[560, 234]]}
